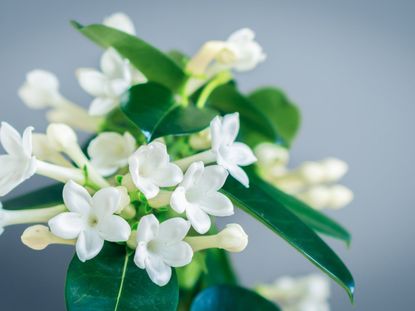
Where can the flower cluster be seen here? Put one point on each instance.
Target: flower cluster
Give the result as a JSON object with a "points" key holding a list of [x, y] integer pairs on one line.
{"points": [[311, 182], [190, 186]]}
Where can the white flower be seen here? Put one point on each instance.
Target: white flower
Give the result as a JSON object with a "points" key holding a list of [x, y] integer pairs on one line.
{"points": [[107, 86], [18, 164], [198, 195], [150, 169], [230, 154], [247, 52], [90, 220], [121, 22], [110, 151], [309, 293], [160, 246], [40, 90], [43, 150]]}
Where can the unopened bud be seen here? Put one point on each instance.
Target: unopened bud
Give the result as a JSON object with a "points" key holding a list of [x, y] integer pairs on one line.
{"points": [[270, 155], [61, 136], [233, 238], [312, 172], [201, 140], [340, 196], [334, 169], [318, 196], [38, 237]]}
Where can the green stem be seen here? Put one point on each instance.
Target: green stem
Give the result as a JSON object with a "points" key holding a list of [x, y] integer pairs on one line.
{"points": [[222, 78]]}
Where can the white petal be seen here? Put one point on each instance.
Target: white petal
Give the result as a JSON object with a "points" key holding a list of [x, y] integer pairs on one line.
{"points": [[230, 127], [178, 254], [239, 174], [173, 229], [27, 141], [217, 204], [67, 225], [13, 171], [198, 218], [148, 228], [93, 82], [121, 22], [106, 201], [158, 271], [168, 175], [88, 245], [112, 63], [114, 229], [178, 200], [141, 254], [42, 79], [102, 105], [241, 154], [76, 198], [213, 178], [11, 140], [144, 185], [193, 174], [216, 132]]}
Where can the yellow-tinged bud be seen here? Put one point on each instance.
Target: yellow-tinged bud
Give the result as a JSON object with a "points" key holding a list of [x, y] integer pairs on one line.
{"points": [[38, 237]]}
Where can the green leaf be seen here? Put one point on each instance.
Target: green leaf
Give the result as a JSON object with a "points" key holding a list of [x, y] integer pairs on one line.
{"points": [[313, 218], [219, 270], [284, 115], [43, 197], [179, 58], [272, 213], [112, 281], [231, 298], [153, 63], [153, 109], [255, 125]]}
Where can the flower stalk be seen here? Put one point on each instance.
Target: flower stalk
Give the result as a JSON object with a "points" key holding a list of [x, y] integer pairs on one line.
{"points": [[11, 217]]}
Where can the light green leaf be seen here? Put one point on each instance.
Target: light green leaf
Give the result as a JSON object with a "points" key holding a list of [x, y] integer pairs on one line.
{"points": [[43, 197], [153, 109], [231, 298], [272, 213], [112, 282], [153, 63], [284, 115]]}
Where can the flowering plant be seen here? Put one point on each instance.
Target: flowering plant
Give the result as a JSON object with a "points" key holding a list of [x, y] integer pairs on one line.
{"points": [[174, 145]]}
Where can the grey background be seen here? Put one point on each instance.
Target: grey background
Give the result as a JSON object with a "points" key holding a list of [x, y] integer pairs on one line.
{"points": [[349, 65]]}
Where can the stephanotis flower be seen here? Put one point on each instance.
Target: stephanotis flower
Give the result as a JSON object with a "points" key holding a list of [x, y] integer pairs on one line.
{"points": [[110, 151], [150, 169], [230, 154], [90, 220], [107, 86], [198, 195], [160, 246], [18, 164], [121, 22]]}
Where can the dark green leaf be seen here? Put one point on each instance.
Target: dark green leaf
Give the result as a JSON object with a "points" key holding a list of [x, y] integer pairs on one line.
{"points": [[153, 109], [154, 64], [284, 115], [111, 281], [278, 218], [43, 197], [219, 270], [231, 298], [255, 125], [313, 218]]}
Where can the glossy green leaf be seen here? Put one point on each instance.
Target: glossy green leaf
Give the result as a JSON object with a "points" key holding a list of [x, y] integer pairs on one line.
{"points": [[272, 213], [43, 197], [153, 63], [153, 109], [256, 127], [284, 115], [112, 282], [313, 218], [219, 269], [231, 298]]}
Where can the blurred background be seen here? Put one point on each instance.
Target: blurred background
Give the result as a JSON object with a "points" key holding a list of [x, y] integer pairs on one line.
{"points": [[349, 65]]}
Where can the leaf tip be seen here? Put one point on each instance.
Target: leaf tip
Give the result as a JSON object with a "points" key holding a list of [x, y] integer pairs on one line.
{"points": [[75, 24]]}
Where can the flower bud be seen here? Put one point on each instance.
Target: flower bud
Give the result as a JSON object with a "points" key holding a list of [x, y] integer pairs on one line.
{"points": [[233, 238], [43, 150], [312, 172], [61, 136], [270, 155], [40, 90], [38, 237], [121, 22], [201, 140], [318, 196], [340, 196], [334, 169]]}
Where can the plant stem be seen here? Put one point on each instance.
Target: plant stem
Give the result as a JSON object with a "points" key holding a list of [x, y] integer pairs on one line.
{"points": [[220, 79]]}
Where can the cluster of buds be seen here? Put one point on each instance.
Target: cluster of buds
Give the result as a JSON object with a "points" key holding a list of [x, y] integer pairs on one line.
{"points": [[101, 205], [312, 182], [298, 294]]}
